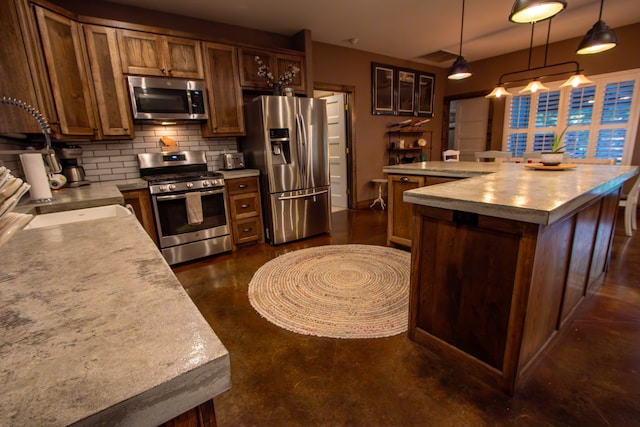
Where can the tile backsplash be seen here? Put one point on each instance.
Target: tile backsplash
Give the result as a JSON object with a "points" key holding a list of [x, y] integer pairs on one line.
{"points": [[116, 160]]}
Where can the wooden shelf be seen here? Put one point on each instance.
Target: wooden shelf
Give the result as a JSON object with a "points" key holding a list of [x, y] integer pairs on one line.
{"points": [[406, 149]]}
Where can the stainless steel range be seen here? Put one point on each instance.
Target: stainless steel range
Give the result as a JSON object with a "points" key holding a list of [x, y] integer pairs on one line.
{"points": [[189, 204]]}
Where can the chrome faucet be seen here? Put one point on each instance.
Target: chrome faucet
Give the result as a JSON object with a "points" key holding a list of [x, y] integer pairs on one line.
{"points": [[50, 155]]}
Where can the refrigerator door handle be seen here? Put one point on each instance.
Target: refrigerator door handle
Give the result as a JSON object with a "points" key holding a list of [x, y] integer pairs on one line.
{"points": [[303, 196], [302, 148]]}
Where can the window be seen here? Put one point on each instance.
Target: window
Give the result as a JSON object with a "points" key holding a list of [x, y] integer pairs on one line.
{"points": [[600, 119]]}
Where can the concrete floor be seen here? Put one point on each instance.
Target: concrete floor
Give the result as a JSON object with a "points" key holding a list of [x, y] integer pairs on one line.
{"points": [[591, 377]]}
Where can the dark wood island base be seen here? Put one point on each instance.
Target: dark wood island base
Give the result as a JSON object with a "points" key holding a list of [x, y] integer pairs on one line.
{"points": [[490, 294]]}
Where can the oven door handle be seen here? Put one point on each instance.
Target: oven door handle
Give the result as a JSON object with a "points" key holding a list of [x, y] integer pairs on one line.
{"points": [[302, 196], [182, 196]]}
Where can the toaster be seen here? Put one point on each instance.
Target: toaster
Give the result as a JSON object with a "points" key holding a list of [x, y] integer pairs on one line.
{"points": [[232, 161]]}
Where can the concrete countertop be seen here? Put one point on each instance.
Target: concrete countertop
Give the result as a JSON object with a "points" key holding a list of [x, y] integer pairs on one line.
{"points": [[97, 330], [239, 173], [67, 198], [511, 190]]}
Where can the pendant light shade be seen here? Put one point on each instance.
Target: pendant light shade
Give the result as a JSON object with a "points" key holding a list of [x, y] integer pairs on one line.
{"points": [[498, 92], [576, 80], [460, 68], [598, 39], [533, 87], [528, 11]]}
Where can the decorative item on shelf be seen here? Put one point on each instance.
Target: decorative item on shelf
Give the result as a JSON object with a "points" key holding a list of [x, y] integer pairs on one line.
{"points": [[535, 84], [555, 156], [460, 68], [283, 80], [599, 38]]}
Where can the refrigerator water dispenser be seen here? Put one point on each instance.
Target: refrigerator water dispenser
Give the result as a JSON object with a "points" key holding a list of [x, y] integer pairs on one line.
{"points": [[280, 146]]}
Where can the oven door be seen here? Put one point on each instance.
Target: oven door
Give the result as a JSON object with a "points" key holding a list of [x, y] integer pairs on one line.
{"points": [[173, 225]]}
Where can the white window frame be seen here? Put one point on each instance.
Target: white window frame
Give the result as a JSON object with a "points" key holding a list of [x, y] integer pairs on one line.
{"points": [[600, 81]]}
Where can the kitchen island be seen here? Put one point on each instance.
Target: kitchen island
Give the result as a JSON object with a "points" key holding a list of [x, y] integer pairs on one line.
{"points": [[502, 259], [97, 330]]}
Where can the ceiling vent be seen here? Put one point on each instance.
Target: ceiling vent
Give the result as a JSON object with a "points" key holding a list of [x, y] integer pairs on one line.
{"points": [[439, 56]]}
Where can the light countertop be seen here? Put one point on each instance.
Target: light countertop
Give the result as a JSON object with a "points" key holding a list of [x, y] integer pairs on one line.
{"points": [[86, 196], [239, 173], [510, 190], [97, 330]]}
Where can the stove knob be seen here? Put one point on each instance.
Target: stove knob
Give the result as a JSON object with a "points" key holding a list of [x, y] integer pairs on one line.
{"points": [[172, 187], [162, 188], [189, 184], [205, 183]]}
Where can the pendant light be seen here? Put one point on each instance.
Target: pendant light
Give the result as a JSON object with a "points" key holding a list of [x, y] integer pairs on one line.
{"points": [[576, 80], [533, 87], [599, 38], [460, 68], [546, 70], [528, 11], [498, 92]]}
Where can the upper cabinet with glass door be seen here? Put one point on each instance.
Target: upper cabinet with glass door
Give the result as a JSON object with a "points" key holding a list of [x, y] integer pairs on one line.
{"points": [[158, 55]]}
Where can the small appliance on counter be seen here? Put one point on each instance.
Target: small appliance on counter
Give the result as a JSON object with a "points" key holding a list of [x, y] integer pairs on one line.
{"points": [[232, 161], [69, 155]]}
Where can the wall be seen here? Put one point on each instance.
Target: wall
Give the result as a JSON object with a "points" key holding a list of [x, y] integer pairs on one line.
{"points": [[351, 67], [487, 72], [115, 160]]}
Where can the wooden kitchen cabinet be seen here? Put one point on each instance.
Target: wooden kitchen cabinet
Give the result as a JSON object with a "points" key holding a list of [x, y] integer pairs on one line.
{"points": [[399, 225], [246, 212], [159, 55], [226, 116], [490, 294], [277, 62], [140, 201], [67, 68], [17, 51], [400, 213], [114, 112]]}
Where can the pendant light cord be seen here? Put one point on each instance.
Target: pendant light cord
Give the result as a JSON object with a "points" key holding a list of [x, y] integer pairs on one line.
{"points": [[601, 6], [462, 27], [546, 47], [531, 45]]}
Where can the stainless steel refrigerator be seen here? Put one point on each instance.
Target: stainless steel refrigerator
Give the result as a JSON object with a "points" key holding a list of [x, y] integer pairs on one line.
{"points": [[287, 141]]}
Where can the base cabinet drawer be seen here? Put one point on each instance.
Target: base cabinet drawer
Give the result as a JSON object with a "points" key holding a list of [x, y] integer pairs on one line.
{"points": [[245, 205], [247, 230]]}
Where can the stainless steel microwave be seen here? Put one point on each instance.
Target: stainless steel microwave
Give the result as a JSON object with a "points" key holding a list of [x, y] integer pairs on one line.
{"points": [[167, 99]]}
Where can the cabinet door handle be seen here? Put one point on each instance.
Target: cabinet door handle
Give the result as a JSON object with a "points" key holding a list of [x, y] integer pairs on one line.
{"points": [[404, 179], [244, 206], [246, 230]]}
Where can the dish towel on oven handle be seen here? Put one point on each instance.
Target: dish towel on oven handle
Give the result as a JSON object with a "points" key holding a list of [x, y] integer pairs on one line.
{"points": [[194, 208]]}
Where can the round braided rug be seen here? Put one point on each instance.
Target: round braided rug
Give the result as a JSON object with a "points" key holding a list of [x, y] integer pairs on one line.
{"points": [[337, 291]]}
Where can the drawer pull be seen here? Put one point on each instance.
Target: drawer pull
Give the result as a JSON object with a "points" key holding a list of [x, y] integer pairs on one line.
{"points": [[246, 230], [244, 206], [242, 186], [404, 179]]}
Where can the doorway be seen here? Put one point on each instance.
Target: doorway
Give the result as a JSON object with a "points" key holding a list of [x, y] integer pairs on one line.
{"points": [[468, 126], [339, 136]]}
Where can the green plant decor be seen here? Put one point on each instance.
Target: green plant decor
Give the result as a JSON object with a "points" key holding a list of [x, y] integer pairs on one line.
{"points": [[557, 141]]}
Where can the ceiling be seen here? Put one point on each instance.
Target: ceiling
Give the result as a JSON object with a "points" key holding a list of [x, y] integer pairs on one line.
{"points": [[406, 29]]}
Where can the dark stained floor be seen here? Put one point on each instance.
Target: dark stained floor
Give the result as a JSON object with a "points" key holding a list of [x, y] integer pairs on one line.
{"points": [[591, 377]]}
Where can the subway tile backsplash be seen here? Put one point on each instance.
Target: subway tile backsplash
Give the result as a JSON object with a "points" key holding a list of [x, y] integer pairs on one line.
{"points": [[115, 160]]}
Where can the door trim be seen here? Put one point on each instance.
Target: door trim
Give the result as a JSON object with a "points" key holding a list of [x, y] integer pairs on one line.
{"points": [[351, 134]]}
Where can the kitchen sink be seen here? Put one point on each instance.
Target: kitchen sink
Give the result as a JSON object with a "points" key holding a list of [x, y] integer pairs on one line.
{"points": [[77, 215]]}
